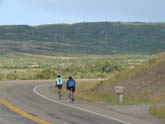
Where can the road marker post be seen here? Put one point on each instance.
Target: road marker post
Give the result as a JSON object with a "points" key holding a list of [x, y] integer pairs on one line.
{"points": [[120, 90]]}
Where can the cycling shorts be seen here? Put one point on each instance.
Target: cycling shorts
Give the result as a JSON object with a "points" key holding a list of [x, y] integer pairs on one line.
{"points": [[59, 86], [71, 88]]}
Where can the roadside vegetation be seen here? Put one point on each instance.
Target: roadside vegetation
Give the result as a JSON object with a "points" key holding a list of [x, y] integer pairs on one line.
{"points": [[116, 69], [150, 90], [158, 107], [30, 67], [89, 93]]}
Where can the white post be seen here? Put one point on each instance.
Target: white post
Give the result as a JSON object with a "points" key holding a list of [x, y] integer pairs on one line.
{"points": [[120, 90], [121, 98]]}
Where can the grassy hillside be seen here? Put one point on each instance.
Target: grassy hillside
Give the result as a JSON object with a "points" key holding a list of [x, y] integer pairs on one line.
{"points": [[83, 38], [145, 80], [143, 84]]}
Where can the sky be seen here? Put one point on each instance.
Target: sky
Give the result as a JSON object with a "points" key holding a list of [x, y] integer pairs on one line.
{"points": [[38, 12]]}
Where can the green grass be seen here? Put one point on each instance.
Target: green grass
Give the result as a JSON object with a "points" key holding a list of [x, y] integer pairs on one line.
{"points": [[86, 91], [18, 74], [25, 66], [158, 107], [158, 111]]}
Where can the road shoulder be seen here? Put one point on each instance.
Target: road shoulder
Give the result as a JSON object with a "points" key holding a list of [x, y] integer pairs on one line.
{"points": [[107, 110]]}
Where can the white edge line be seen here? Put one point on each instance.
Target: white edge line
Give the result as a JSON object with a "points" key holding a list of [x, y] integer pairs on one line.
{"points": [[35, 91]]}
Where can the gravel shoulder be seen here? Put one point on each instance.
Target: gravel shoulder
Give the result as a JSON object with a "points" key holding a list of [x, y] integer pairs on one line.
{"points": [[140, 111]]}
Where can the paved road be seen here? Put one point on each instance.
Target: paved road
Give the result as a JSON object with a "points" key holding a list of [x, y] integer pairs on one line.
{"points": [[7, 116], [36, 99]]}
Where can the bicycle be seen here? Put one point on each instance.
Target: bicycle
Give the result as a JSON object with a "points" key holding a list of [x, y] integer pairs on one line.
{"points": [[59, 94], [71, 96]]}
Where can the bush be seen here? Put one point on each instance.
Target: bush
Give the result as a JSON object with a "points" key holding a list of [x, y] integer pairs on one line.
{"points": [[1, 76], [46, 74], [12, 76]]}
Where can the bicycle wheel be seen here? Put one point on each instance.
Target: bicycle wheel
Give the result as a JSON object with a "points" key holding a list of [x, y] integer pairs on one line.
{"points": [[59, 95], [71, 96]]}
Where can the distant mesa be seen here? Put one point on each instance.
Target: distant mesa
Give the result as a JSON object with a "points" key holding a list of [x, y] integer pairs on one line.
{"points": [[84, 38]]}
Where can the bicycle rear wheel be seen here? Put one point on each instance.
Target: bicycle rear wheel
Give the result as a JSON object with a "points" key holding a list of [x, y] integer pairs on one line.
{"points": [[59, 95], [71, 96]]}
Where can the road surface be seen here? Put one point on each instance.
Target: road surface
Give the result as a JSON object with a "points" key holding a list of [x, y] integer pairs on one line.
{"points": [[33, 102]]}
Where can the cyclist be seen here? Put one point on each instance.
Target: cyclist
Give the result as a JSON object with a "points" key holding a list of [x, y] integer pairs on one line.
{"points": [[59, 82], [70, 85]]}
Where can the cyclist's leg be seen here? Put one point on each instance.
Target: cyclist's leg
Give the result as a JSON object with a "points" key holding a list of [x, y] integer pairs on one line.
{"points": [[74, 93], [68, 91], [73, 90], [57, 89], [60, 90]]}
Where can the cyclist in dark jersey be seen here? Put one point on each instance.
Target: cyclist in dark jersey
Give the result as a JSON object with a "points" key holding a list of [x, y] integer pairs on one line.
{"points": [[70, 85]]}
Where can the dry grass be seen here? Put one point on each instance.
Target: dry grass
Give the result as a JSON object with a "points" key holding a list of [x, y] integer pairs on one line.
{"points": [[44, 56], [158, 107]]}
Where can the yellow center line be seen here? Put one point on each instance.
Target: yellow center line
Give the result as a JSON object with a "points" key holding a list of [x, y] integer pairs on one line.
{"points": [[21, 112]]}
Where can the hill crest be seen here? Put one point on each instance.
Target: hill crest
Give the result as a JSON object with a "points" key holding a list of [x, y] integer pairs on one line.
{"points": [[84, 38]]}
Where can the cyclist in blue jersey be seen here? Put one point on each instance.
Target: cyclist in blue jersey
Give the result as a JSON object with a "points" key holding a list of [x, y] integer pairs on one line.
{"points": [[59, 83], [70, 85]]}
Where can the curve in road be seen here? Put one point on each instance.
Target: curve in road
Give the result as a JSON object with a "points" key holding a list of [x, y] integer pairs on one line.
{"points": [[81, 109], [25, 96]]}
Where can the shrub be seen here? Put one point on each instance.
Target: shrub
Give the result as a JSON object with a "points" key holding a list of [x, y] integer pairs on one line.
{"points": [[46, 74], [12, 76]]}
